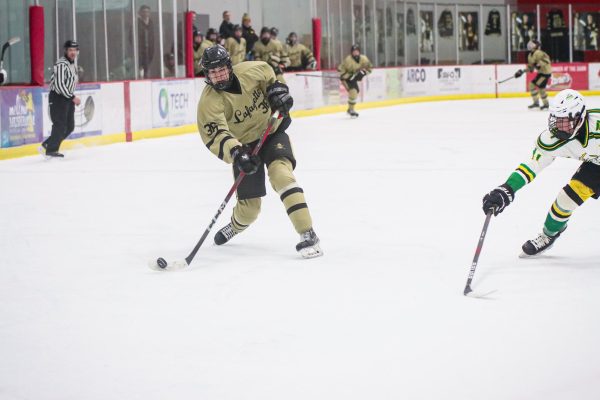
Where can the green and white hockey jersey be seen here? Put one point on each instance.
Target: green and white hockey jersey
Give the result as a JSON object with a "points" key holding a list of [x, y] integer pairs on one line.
{"points": [[584, 147]]}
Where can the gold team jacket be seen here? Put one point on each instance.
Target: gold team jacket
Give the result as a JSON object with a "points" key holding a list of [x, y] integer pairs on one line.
{"points": [[272, 53], [299, 55], [226, 120], [237, 51]]}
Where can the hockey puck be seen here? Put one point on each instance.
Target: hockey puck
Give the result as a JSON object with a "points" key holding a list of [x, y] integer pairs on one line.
{"points": [[161, 263]]}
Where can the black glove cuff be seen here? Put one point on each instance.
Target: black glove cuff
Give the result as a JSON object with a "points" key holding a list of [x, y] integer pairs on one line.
{"points": [[508, 190]]}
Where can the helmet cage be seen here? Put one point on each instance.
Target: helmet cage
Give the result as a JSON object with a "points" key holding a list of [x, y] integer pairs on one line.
{"points": [[566, 127]]}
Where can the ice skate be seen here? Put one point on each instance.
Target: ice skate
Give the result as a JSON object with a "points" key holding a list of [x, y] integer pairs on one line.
{"points": [[352, 113], [534, 106], [309, 245], [538, 245], [225, 234]]}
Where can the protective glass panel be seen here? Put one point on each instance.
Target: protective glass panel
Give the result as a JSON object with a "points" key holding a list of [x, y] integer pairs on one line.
{"points": [[554, 24], [119, 20], [89, 21], [411, 47], [523, 28], [445, 20], [469, 37], [494, 39], [586, 20], [426, 34], [14, 21]]}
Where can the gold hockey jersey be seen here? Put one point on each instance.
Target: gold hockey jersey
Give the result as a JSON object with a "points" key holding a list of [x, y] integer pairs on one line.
{"points": [[230, 118]]}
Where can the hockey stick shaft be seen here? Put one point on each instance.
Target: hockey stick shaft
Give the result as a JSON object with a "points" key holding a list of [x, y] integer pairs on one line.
{"points": [[320, 76], [506, 80], [488, 217], [236, 184]]}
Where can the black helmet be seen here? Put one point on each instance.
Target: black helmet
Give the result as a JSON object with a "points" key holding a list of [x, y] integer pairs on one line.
{"points": [[211, 31], [274, 31], [289, 38], [264, 30], [215, 57], [71, 44], [237, 27], [354, 47]]}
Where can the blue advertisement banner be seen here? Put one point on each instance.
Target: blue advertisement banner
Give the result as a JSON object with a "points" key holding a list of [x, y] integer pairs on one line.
{"points": [[20, 116]]}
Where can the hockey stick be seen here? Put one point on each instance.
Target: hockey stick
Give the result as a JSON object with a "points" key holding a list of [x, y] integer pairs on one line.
{"points": [[160, 263], [468, 289], [320, 76], [506, 80], [511, 77]]}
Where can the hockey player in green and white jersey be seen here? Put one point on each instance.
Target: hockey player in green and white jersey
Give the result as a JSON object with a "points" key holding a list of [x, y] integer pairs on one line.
{"points": [[573, 132]]}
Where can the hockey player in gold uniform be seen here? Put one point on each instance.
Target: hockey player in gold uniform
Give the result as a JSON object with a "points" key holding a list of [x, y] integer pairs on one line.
{"points": [[301, 58], [233, 112], [271, 52], [236, 46], [354, 67], [540, 61]]}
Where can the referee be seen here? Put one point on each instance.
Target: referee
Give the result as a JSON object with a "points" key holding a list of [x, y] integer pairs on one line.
{"points": [[62, 100]]}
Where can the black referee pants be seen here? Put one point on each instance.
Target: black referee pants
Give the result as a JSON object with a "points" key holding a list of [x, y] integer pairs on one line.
{"points": [[62, 114]]}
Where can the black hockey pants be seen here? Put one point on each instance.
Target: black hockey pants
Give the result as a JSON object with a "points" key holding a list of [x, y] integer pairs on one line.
{"points": [[62, 114]]}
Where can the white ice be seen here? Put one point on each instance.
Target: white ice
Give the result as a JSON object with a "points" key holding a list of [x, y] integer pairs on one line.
{"points": [[395, 196]]}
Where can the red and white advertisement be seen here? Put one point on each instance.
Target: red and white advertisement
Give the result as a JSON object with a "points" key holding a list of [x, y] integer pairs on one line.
{"points": [[594, 76], [566, 76]]}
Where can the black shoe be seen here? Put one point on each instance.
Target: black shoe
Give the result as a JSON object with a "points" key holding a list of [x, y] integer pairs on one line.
{"points": [[539, 244], [309, 245], [352, 113], [534, 105], [225, 234], [545, 107], [55, 154]]}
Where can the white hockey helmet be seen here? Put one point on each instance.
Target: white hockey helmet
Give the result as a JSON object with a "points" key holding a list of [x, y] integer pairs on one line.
{"points": [[567, 114]]}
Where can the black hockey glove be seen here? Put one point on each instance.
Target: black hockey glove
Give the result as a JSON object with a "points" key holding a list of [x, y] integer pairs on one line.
{"points": [[519, 73], [279, 98], [360, 74], [498, 199], [244, 160]]}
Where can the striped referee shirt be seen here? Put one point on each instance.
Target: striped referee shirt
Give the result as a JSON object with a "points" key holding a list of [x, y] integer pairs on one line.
{"points": [[64, 78]]}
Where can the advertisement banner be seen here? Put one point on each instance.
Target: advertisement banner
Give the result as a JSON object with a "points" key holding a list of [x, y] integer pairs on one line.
{"points": [[306, 91], [594, 76], [566, 76], [173, 103], [88, 114], [374, 86], [418, 81], [513, 85], [20, 116]]}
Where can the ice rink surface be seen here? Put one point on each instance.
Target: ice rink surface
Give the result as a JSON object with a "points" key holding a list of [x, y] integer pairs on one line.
{"points": [[395, 197]]}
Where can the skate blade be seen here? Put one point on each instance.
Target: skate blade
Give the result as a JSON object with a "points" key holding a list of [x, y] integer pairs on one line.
{"points": [[311, 252], [176, 265], [525, 255], [480, 295]]}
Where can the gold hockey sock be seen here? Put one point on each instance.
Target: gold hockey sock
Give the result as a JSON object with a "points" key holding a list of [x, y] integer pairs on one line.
{"points": [[291, 194], [245, 212]]}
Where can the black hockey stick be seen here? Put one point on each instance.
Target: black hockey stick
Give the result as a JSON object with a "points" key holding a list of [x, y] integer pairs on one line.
{"points": [[511, 77], [160, 263], [320, 76], [506, 80], [488, 217]]}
